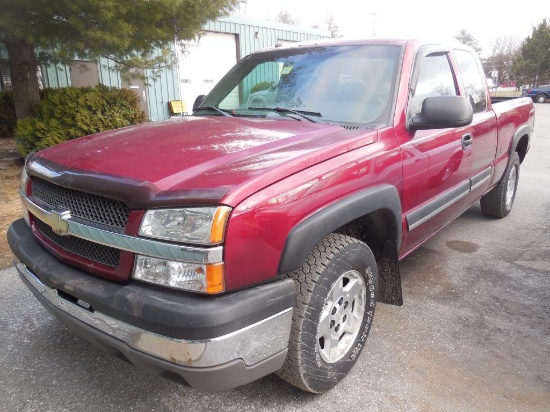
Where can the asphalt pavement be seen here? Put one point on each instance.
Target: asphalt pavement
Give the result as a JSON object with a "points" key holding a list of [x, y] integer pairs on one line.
{"points": [[473, 334]]}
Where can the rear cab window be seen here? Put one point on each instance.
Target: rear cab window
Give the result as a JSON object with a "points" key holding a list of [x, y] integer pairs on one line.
{"points": [[472, 79]]}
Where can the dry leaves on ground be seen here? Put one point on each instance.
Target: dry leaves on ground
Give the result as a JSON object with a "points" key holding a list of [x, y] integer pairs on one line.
{"points": [[10, 204]]}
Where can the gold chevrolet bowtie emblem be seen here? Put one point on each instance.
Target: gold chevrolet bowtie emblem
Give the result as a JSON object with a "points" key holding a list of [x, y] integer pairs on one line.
{"points": [[58, 221]]}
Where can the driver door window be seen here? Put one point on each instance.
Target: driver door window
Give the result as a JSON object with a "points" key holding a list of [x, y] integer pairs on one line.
{"points": [[435, 79]]}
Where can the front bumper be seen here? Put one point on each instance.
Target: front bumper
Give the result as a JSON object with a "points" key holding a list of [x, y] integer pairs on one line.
{"points": [[239, 337]]}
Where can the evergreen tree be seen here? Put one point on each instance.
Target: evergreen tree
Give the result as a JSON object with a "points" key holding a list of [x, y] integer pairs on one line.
{"points": [[286, 17], [533, 63], [466, 38], [116, 29]]}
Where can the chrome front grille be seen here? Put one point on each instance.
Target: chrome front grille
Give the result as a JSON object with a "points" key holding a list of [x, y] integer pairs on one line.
{"points": [[87, 209], [86, 206], [89, 250]]}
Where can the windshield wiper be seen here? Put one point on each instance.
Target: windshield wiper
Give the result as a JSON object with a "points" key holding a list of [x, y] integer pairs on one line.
{"points": [[302, 113], [223, 112]]}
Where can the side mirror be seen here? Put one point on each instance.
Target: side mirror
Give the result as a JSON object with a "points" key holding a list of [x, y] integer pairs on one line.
{"points": [[198, 102], [441, 112]]}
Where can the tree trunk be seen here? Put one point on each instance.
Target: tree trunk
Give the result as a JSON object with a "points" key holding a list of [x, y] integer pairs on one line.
{"points": [[24, 78]]}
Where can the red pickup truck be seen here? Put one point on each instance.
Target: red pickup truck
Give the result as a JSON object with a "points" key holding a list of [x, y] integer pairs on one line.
{"points": [[217, 248]]}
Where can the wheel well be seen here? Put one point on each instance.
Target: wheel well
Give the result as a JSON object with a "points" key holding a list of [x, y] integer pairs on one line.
{"points": [[373, 216], [521, 147], [378, 230], [374, 229]]}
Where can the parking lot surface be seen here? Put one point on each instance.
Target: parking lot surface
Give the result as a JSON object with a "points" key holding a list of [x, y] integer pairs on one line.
{"points": [[473, 334]]}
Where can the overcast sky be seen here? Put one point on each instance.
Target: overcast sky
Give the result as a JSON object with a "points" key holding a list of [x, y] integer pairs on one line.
{"points": [[485, 20]]}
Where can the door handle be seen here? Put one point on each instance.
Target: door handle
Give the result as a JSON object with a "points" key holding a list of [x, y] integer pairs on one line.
{"points": [[467, 141]]}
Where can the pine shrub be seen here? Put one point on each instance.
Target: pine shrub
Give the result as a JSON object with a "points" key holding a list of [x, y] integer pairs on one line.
{"points": [[68, 113], [261, 86]]}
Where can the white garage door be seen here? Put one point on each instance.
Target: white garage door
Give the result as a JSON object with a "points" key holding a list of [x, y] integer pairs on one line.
{"points": [[205, 64]]}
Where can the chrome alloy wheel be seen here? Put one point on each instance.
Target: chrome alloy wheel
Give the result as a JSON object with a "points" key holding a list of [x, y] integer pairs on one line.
{"points": [[342, 316], [511, 186]]}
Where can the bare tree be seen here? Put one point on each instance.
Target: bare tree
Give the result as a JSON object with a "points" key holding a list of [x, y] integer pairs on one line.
{"points": [[505, 45], [329, 25], [504, 49], [287, 18], [332, 27]]}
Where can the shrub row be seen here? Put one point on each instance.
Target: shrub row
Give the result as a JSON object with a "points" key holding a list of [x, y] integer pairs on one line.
{"points": [[68, 113]]}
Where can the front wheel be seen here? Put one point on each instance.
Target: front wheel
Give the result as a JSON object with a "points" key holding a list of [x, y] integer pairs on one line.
{"points": [[498, 202], [336, 292], [540, 98]]}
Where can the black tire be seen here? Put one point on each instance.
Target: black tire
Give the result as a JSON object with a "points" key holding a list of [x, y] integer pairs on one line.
{"points": [[540, 98], [499, 201], [338, 263]]}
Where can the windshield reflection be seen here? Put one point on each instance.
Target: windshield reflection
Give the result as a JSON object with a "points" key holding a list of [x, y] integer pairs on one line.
{"points": [[345, 85]]}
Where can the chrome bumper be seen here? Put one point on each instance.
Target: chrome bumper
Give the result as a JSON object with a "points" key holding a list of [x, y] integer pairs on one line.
{"points": [[252, 344]]}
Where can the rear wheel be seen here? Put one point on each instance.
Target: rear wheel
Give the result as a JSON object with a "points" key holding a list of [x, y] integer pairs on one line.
{"points": [[499, 201], [540, 98], [336, 292]]}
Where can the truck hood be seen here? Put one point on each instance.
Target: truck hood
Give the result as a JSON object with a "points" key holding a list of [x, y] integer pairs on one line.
{"points": [[193, 160]]}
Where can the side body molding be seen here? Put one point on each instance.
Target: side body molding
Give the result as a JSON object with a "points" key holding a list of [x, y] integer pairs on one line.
{"points": [[303, 238]]}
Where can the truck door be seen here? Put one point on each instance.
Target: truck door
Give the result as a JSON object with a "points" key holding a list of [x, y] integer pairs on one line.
{"points": [[483, 129], [436, 163]]}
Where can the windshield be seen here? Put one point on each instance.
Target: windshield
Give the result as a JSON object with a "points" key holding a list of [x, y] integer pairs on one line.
{"points": [[335, 84]]}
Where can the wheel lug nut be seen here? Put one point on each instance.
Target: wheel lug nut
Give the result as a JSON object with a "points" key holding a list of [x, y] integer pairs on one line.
{"points": [[332, 324], [346, 305], [337, 328], [344, 319], [340, 301], [333, 311]]}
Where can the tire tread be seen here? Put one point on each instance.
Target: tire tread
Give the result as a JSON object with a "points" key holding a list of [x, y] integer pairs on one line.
{"points": [[493, 203], [306, 279]]}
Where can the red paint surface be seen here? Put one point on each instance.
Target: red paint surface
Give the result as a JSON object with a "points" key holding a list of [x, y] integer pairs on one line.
{"points": [[198, 153]]}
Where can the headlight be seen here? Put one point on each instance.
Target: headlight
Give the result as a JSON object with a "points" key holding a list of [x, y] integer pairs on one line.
{"points": [[24, 181], [197, 225], [180, 275], [24, 176], [23, 184]]}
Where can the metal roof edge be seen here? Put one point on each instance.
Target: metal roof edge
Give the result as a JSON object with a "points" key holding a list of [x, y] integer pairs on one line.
{"points": [[274, 25]]}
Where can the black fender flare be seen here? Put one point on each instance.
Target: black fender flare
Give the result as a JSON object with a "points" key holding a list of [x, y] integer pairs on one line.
{"points": [[304, 236], [521, 131]]}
